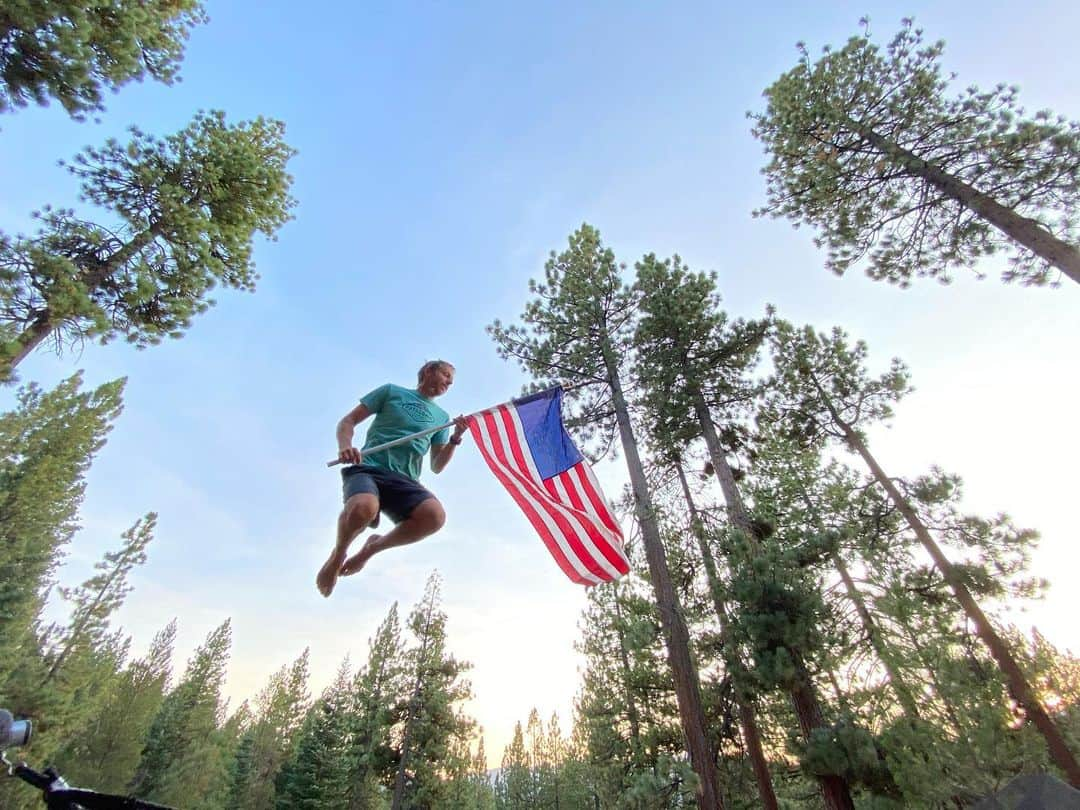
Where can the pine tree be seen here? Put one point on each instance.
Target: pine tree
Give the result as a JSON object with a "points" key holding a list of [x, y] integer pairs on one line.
{"points": [[552, 756], [46, 446], [98, 598], [580, 774], [806, 556], [614, 715], [539, 766], [74, 51], [316, 776], [240, 723], [188, 206], [478, 775], [377, 690], [514, 788], [182, 762], [694, 367], [545, 772], [830, 505], [578, 329], [466, 781], [542, 769], [748, 723], [576, 784], [268, 741], [104, 755], [58, 707], [432, 722], [78, 664], [867, 147], [975, 734], [823, 389]]}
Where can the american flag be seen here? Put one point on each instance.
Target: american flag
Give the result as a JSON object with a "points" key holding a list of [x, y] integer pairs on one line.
{"points": [[525, 444]]}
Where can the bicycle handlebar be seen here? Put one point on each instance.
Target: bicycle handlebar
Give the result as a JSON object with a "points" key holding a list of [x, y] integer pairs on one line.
{"points": [[58, 795], [55, 792]]}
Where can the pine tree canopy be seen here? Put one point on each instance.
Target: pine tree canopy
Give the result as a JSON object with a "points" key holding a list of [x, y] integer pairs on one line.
{"points": [[868, 147], [188, 207], [74, 51]]}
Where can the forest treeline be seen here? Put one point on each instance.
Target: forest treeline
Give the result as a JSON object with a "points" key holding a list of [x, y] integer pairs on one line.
{"points": [[824, 641], [802, 627]]}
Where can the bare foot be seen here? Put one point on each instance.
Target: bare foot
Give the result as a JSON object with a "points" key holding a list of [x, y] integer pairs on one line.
{"points": [[326, 579], [357, 560]]}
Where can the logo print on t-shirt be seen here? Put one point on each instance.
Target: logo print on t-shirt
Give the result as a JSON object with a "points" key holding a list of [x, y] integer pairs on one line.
{"points": [[418, 411]]}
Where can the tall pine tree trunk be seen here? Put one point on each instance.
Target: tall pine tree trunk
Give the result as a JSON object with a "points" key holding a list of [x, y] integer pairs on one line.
{"points": [[1018, 684], [834, 789], [1027, 232], [30, 338], [747, 718], [687, 686]]}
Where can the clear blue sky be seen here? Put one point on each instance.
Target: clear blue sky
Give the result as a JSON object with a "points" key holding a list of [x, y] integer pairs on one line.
{"points": [[444, 149]]}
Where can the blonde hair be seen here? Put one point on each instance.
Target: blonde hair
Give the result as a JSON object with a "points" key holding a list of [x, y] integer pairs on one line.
{"points": [[429, 365]]}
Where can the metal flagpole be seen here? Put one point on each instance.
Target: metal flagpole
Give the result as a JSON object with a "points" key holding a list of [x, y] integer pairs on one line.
{"points": [[395, 442], [411, 436]]}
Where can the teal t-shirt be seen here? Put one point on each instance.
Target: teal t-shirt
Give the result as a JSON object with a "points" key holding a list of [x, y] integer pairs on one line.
{"points": [[398, 412]]}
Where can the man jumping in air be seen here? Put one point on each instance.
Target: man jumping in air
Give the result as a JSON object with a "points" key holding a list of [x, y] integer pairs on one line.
{"points": [[388, 480]]}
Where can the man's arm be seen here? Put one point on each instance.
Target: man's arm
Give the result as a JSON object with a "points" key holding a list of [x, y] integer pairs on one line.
{"points": [[442, 453], [347, 454]]}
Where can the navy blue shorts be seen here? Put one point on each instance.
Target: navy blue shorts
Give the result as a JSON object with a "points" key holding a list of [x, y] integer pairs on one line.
{"points": [[398, 494]]}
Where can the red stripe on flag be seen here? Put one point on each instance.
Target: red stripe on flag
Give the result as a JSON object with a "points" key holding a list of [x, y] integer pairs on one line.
{"points": [[553, 491]]}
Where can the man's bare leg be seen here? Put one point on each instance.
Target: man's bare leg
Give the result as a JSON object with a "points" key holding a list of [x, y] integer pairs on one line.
{"points": [[358, 512], [427, 518]]}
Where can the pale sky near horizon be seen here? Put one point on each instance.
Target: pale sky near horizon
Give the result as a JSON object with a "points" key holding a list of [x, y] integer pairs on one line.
{"points": [[443, 151]]}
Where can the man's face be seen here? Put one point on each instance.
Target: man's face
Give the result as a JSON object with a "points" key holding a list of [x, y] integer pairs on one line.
{"points": [[438, 380]]}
